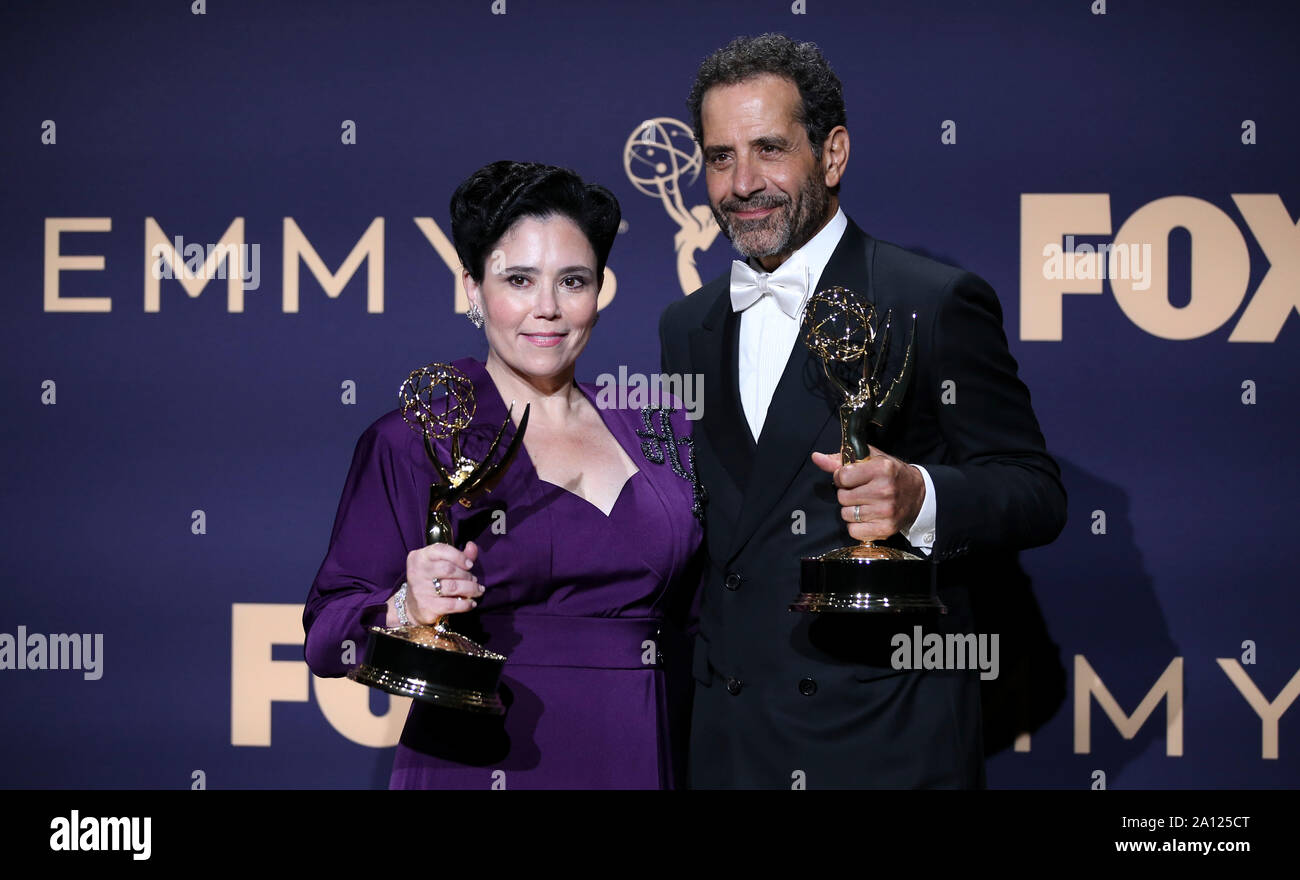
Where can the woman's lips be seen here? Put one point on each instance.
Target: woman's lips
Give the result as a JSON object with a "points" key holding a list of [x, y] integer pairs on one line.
{"points": [[544, 340]]}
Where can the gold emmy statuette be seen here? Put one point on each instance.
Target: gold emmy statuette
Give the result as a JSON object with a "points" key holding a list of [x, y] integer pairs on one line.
{"points": [[841, 329], [431, 662]]}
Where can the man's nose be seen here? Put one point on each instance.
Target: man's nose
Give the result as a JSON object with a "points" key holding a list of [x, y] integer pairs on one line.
{"points": [[746, 181]]}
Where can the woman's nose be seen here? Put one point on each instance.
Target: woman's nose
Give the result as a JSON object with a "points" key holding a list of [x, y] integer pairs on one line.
{"points": [[547, 304]]}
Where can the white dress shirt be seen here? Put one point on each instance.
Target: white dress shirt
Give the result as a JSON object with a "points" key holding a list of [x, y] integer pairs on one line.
{"points": [[768, 336]]}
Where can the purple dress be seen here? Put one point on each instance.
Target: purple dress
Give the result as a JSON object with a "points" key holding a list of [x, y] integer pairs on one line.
{"points": [[576, 600]]}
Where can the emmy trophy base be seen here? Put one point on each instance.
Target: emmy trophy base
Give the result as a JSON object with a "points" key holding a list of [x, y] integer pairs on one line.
{"points": [[866, 578], [434, 666]]}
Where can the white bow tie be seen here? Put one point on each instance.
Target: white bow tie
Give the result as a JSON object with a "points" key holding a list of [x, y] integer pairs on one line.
{"points": [[788, 286]]}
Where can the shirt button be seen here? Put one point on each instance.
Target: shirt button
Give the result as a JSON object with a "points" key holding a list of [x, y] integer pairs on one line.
{"points": [[732, 582], [807, 687], [929, 537], [734, 685]]}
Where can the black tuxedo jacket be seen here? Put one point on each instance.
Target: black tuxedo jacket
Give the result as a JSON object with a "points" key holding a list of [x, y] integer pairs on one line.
{"points": [[783, 698]]}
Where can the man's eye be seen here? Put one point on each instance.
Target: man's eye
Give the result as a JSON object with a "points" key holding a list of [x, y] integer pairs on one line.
{"points": [[718, 160]]}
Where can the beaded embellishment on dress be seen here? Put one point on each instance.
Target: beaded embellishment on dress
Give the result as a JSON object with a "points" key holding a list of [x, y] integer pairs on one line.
{"points": [[659, 442]]}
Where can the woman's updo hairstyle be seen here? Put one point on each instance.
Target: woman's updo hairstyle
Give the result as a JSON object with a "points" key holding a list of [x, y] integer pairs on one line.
{"points": [[488, 203]]}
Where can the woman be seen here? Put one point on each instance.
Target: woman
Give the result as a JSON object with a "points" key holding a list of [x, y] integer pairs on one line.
{"points": [[572, 561]]}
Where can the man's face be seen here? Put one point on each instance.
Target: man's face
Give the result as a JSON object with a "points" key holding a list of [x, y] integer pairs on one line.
{"points": [[767, 190]]}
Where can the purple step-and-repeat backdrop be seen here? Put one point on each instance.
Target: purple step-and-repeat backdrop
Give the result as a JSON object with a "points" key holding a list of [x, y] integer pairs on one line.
{"points": [[1124, 175]]}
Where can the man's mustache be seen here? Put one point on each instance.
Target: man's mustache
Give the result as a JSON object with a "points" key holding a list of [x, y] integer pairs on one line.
{"points": [[757, 204]]}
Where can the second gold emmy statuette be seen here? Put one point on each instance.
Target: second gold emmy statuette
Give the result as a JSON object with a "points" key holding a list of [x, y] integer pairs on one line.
{"points": [[841, 329], [431, 662]]}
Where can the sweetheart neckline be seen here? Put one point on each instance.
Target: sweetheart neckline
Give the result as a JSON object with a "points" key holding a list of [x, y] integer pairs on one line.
{"points": [[622, 490]]}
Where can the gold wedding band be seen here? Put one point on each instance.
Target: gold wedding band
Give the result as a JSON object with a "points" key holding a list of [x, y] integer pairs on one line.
{"points": [[857, 514]]}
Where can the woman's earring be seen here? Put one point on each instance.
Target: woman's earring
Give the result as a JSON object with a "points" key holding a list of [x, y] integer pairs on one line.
{"points": [[475, 316]]}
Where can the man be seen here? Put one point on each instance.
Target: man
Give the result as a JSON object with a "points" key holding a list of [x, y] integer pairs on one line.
{"points": [[962, 475]]}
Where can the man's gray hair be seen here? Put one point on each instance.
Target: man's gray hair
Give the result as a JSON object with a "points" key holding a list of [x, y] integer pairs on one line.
{"points": [[821, 107]]}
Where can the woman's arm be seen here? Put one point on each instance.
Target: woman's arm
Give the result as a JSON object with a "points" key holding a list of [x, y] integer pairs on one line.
{"points": [[377, 524]]}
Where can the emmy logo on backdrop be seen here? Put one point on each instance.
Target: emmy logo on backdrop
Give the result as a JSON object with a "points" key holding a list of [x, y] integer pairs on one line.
{"points": [[840, 328], [431, 662], [659, 155]]}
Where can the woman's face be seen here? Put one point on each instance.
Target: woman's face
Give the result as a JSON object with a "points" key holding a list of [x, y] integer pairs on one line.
{"points": [[538, 295]]}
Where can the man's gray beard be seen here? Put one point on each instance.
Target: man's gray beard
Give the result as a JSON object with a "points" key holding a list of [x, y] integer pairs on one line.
{"points": [[793, 232]]}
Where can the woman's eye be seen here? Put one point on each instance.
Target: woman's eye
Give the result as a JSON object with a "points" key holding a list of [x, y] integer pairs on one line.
{"points": [[574, 282], [517, 280]]}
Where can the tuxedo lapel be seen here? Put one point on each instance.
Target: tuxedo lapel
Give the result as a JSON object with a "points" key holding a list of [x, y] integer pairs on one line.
{"points": [[724, 446], [847, 266], [803, 404], [713, 351]]}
